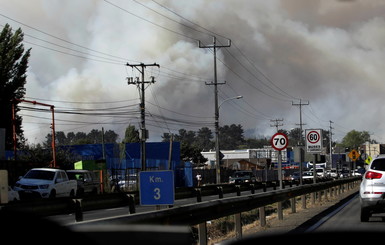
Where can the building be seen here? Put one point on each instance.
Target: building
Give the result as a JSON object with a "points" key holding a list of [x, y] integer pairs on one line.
{"points": [[373, 150], [246, 159]]}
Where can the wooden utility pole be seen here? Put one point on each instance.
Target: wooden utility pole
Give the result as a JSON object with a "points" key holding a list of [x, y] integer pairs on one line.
{"points": [[214, 46], [301, 142], [143, 131]]}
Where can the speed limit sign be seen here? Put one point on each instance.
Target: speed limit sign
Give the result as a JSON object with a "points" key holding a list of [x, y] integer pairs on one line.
{"points": [[313, 140], [279, 141]]}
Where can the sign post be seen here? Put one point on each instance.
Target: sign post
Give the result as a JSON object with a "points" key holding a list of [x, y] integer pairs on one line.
{"points": [[314, 145], [156, 187], [279, 142]]}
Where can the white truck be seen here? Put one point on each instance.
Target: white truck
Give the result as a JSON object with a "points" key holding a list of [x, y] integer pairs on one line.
{"points": [[46, 183]]}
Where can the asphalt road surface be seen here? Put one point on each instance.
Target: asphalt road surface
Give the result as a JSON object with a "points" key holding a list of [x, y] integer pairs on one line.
{"points": [[347, 218]]}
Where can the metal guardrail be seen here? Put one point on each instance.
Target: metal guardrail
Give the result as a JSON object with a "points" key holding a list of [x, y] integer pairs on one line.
{"points": [[47, 207], [201, 212]]}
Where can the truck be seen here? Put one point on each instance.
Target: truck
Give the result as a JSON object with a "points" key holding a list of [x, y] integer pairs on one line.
{"points": [[46, 183], [86, 180]]}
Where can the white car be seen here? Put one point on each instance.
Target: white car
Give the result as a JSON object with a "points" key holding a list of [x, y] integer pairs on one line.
{"points": [[372, 189], [308, 175], [46, 183]]}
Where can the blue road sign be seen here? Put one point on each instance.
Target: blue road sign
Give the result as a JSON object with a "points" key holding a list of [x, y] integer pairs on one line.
{"points": [[156, 187]]}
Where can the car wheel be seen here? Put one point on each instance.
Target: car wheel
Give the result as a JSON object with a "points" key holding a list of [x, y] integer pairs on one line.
{"points": [[365, 214]]}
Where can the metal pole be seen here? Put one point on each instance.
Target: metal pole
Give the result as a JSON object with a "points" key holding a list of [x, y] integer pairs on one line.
{"points": [[315, 169], [280, 169], [53, 137]]}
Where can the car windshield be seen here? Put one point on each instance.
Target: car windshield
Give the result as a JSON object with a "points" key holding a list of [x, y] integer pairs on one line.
{"points": [[40, 174], [378, 164]]}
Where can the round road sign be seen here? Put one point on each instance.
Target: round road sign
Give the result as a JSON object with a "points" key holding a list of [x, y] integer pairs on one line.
{"points": [[279, 141], [313, 137]]}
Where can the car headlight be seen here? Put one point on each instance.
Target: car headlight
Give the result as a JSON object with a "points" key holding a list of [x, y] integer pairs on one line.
{"points": [[43, 186]]}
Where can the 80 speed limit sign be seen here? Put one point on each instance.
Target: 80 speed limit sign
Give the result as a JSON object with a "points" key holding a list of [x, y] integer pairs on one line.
{"points": [[279, 141]]}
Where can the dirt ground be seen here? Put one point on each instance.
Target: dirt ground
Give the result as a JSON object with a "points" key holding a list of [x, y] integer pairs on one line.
{"points": [[273, 224]]}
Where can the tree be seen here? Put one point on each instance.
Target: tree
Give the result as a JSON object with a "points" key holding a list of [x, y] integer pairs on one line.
{"points": [[354, 138], [295, 137], [231, 137], [110, 136], [81, 138], [131, 135], [204, 138], [13, 68]]}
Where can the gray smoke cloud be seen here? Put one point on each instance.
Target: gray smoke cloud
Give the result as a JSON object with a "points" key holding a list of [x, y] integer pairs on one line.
{"points": [[327, 52]]}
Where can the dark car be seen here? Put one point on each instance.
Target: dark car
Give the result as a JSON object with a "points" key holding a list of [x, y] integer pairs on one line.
{"points": [[242, 177], [87, 181]]}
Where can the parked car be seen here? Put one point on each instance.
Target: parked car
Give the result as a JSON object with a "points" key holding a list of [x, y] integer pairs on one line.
{"points": [[242, 177], [87, 181], [46, 183], [129, 183], [372, 189]]}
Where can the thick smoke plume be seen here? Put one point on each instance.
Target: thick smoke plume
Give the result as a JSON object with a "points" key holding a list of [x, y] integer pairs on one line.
{"points": [[327, 52]]}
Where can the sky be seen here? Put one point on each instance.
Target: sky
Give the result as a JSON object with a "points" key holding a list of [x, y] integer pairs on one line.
{"points": [[326, 54]]}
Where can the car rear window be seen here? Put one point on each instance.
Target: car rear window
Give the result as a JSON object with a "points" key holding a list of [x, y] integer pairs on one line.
{"points": [[378, 164]]}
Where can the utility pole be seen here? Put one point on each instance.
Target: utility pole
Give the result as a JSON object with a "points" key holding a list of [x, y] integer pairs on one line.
{"points": [[300, 104], [330, 143], [214, 46], [301, 142], [143, 131], [53, 143], [276, 123]]}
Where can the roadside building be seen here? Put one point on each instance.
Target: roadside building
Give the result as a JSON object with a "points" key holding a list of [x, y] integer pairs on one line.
{"points": [[246, 159]]}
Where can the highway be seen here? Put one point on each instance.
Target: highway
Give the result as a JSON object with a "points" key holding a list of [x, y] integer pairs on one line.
{"points": [[347, 218]]}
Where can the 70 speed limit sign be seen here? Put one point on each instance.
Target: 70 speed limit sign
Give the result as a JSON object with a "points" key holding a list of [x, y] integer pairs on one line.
{"points": [[279, 141]]}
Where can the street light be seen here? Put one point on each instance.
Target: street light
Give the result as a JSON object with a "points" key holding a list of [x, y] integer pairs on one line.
{"points": [[217, 157]]}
